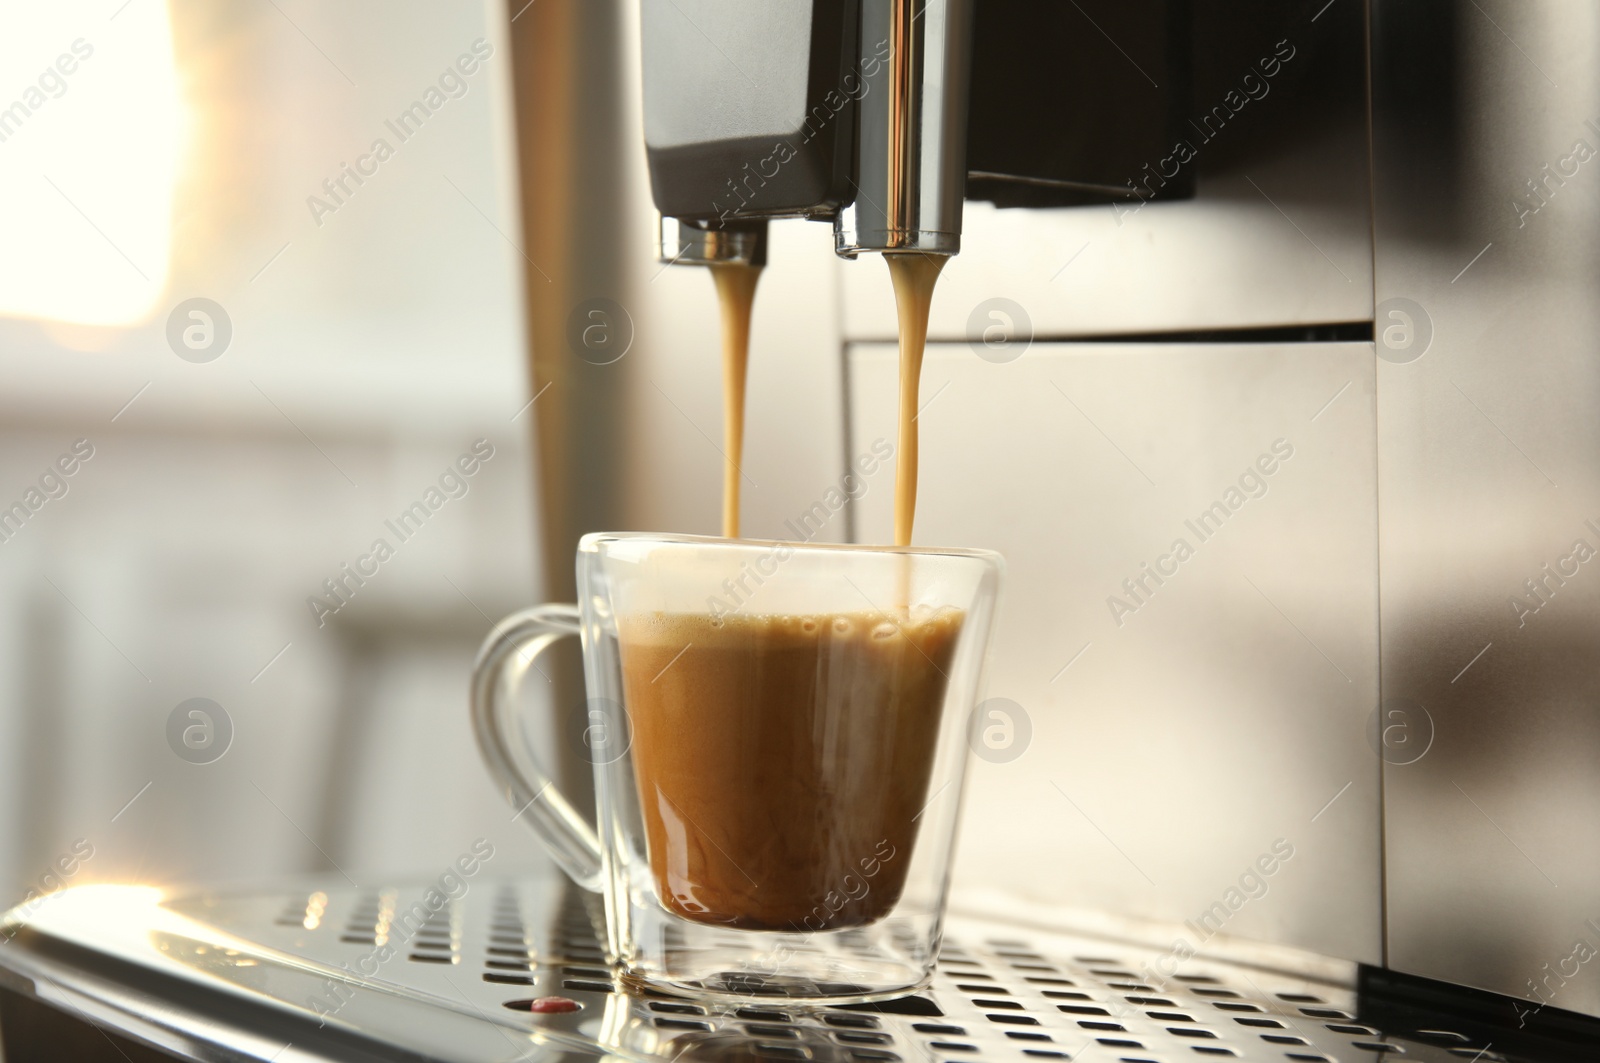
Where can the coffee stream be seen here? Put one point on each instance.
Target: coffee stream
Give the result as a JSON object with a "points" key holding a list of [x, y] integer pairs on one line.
{"points": [[782, 761], [914, 276], [736, 291]]}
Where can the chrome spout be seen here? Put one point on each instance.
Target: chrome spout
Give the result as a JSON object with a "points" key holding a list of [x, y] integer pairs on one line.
{"points": [[705, 243], [911, 129]]}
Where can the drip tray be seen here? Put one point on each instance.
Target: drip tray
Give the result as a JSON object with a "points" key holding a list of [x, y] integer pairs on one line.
{"points": [[407, 973]]}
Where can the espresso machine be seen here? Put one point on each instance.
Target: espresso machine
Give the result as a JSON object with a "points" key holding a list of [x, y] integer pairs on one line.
{"points": [[1263, 356]]}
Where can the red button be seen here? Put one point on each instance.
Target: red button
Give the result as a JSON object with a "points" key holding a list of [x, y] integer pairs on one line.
{"points": [[549, 1005]]}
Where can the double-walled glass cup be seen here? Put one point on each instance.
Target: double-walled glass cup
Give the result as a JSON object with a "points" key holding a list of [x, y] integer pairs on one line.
{"points": [[778, 734]]}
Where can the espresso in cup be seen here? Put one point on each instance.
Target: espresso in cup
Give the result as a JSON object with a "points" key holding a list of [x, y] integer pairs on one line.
{"points": [[782, 762]]}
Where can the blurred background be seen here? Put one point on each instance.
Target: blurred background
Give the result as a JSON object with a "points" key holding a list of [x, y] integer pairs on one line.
{"points": [[371, 344]]}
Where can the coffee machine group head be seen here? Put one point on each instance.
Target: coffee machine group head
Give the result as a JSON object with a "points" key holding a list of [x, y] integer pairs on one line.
{"points": [[853, 111]]}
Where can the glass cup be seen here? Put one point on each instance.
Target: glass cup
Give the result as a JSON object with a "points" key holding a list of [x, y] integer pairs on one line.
{"points": [[779, 736]]}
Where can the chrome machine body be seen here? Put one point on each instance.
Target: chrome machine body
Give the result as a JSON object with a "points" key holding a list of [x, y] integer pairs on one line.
{"points": [[1350, 243]]}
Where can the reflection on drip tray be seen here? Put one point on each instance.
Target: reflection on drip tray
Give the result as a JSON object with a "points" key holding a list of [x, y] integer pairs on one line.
{"points": [[521, 964]]}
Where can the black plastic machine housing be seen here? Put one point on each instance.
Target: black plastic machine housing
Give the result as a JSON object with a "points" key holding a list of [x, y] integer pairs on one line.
{"points": [[749, 108]]}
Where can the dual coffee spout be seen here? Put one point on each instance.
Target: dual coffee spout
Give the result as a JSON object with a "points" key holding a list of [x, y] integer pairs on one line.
{"points": [[853, 111]]}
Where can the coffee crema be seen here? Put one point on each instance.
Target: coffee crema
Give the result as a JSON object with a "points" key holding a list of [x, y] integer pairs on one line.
{"points": [[782, 761]]}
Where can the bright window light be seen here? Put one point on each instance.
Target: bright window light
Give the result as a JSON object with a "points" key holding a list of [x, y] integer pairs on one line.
{"points": [[89, 138]]}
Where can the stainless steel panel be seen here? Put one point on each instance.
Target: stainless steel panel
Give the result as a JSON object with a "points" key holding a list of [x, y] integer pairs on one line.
{"points": [[573, 116], [386, 973], [576, 118], [1278, 233], [1228, 259], [1489, 438], [1158, 748]]}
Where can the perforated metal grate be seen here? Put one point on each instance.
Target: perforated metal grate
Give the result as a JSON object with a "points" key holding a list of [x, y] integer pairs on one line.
{"points": [[998, 998]]}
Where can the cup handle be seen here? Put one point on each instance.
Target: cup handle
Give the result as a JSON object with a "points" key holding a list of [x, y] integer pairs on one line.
{"points": [[504, 660]]}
